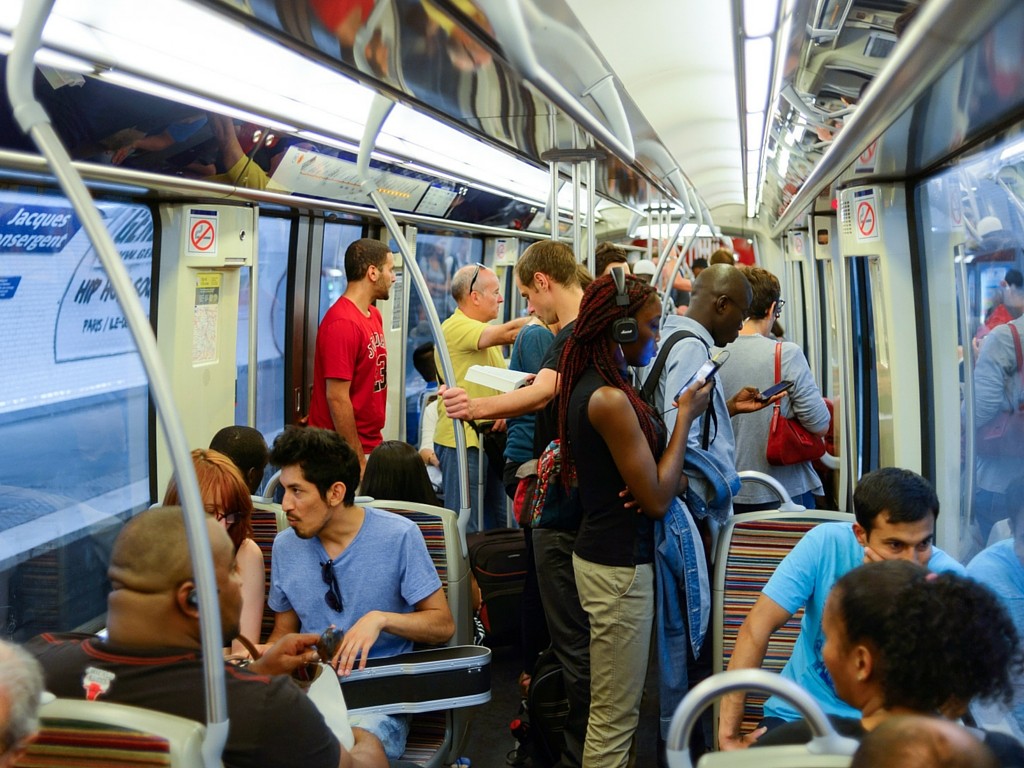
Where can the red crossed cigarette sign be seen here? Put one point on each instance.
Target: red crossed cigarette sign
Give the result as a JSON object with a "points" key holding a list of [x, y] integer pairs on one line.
{"points": [[202, 235], [866, 218], [202, 232]]}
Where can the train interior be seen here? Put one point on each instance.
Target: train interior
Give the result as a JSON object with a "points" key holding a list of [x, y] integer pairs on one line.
{"points": [[870, 153]]}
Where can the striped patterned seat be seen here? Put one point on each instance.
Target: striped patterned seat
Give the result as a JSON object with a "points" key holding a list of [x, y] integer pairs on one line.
{"points": [[93, 734], [436, 738], [267, 520], [750, 547]]}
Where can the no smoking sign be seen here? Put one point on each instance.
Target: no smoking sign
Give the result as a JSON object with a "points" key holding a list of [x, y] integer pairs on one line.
{"points": [[202, 232], [865, 215]]}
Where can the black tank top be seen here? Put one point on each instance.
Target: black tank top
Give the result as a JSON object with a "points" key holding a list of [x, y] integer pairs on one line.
{"points": [[609, 534]]}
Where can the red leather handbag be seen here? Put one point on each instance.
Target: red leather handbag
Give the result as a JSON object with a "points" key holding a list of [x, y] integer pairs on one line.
{"points": [[788, 441], [1004, 434]]}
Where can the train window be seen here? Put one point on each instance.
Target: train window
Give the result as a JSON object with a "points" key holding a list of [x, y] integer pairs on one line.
{"points": [[272, 263], [337, 238], [74, 435], [865, 382]]}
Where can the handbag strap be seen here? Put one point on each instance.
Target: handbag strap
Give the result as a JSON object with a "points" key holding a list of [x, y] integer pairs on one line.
{"points": [[1020, 358], [778, 374]]}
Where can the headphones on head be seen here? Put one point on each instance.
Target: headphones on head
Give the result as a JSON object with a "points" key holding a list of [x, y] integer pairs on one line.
{"points": [[625, 330], [193, 599]]}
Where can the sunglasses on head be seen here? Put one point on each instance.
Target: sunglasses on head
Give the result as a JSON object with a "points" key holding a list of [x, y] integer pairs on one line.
{"points": [[476, 274], [333, 595]]}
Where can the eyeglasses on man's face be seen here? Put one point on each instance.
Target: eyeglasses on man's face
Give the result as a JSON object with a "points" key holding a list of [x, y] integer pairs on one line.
{"points": [[744, 310]]}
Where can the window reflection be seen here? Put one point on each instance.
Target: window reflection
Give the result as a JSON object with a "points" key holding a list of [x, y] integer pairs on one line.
{"points": [[73, 410], [973, 217]]}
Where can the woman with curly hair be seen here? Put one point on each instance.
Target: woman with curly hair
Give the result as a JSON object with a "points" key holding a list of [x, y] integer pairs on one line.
{"points": [[902, 641], [613, 440], [226, 497]]}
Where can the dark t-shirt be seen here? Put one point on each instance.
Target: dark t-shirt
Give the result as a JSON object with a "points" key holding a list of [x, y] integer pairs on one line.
{"points": [[272, 721], [610, 534], [1008, 750], [546, 427]]}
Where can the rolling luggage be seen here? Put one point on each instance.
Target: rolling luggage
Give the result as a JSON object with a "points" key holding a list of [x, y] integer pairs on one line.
{"points": [[498, 561]]}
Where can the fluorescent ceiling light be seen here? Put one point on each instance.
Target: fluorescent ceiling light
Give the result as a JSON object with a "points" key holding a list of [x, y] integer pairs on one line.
{"points": [[644, 231], [186, 52], [755, 130], [565, 197], [759, 17], [757, 72]]}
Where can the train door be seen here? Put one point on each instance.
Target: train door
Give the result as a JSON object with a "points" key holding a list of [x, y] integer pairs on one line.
{"points": [[883, 309]]}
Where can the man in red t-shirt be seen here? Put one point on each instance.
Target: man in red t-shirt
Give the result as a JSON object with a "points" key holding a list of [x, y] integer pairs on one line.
{"points": [[350, 379]]}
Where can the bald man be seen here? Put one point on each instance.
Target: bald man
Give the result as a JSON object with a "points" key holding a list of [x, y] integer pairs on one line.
{"points": [[915, 741], [152, 657], [21, 686]]}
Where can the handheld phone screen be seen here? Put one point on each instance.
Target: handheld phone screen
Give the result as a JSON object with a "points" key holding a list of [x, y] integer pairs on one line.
{"points": [[773, 390], [706, 371]]}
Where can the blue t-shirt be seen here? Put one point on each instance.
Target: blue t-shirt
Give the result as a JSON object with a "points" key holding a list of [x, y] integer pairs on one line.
{"points": [[999, 569], [803, 580], [386, 567], [527, 356]]}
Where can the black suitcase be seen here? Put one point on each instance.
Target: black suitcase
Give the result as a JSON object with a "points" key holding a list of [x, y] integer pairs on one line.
{"points": [[498, 561]]}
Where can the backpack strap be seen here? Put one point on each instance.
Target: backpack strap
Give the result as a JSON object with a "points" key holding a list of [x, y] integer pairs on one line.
{"points": [[650, 386]]}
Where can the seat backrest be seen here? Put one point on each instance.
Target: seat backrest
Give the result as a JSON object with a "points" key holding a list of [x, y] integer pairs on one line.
{"points": [[750, 547], [440, 531], [76, 732], [268, 519], [437, 738]]}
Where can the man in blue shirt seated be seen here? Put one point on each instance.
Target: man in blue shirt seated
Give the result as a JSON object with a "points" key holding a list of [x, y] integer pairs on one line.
{"points": [[895, 513], [381, 586], [1001, 567]]}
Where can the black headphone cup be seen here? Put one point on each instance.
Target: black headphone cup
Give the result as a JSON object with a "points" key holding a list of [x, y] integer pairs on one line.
{"points": [[625, 330], [192, 599]]}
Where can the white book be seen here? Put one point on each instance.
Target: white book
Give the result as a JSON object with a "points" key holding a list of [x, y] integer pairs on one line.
{"points": [[501, 379]]}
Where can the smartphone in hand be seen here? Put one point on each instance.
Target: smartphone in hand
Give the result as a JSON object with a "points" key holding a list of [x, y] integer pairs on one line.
{"points": [[706, 371], [772, 391]]}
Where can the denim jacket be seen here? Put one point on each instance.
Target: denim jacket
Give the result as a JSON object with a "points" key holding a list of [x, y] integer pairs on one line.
{"points": [[683, 602]]}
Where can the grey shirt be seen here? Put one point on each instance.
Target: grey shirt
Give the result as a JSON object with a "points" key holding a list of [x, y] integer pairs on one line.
{"points": [[752, 363], [997, 388]]}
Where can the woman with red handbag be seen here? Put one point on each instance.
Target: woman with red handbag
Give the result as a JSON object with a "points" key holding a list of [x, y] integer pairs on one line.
{"points": [[781, 441]]}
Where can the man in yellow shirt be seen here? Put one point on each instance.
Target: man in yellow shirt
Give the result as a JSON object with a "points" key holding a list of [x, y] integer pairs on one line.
{"points": [[473, 340]]}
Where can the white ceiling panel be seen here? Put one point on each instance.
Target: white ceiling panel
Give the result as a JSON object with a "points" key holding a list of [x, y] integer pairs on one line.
{"points": [[675, 59]]}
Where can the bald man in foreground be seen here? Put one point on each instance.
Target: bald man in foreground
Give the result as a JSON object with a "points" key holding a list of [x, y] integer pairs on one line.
{"points": [[915, 741], [152, 656]]}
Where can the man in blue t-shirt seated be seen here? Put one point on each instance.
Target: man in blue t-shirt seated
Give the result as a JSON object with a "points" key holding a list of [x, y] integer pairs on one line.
{"points": [[1001, 567], [381, 586], [895, 512]]}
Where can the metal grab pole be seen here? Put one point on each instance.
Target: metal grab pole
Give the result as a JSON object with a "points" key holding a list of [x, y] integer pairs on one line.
{"points": [[34, 121], [379, 111]]}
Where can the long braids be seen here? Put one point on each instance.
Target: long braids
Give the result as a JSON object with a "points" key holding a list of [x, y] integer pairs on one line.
{"points": [[588, 347]]}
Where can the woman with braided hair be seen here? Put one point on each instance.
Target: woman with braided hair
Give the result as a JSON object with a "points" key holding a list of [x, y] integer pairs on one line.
{"points": [[613, 440]]}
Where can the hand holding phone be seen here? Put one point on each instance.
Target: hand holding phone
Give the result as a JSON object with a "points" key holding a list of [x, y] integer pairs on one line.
{"points": [[706, 371], [772, 391]]}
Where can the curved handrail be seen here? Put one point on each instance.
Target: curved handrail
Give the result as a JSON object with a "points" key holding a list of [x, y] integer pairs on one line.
{"points": [[379, 111], [32, 119], [824, 739], [760, 478]]}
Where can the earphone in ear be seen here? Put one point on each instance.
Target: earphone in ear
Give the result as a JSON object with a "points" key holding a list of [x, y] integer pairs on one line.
{"points": [[192, 599], [625, 330]]}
